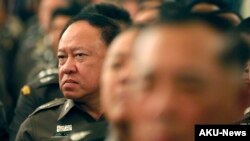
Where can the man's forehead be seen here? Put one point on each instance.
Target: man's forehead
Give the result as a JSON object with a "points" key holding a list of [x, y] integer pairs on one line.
{"points": [[81, 33], [179, 37], [80, 28], [177, 46]]}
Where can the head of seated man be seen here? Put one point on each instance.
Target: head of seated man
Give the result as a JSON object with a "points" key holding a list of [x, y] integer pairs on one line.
{"points": [[189, 72], [81, 51], [115, 93], [116, 13], [81, 57]]}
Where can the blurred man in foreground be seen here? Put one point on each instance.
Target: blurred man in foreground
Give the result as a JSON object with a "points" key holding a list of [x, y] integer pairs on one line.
{"points": [[180, 82], [115, 93]]}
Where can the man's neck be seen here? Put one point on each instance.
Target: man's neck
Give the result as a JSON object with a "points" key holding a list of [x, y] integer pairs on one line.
{"points": [[91, 104]]}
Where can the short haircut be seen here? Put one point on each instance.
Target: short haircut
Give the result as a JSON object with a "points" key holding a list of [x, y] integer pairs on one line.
{"points": [[68, 11], [112, 11], [236, 50], [107, 27]]}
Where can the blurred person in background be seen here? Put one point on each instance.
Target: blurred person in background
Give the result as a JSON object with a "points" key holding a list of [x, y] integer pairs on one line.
{"points": [[141, 11], [4, 109], [10, 30], [116, 13], [114, 84], [35, 43], [58, 20], [147, 11], [179, 82], [130, 5]]}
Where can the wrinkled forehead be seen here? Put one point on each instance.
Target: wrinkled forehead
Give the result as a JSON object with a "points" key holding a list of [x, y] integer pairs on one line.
{"points": [[191, 41]]}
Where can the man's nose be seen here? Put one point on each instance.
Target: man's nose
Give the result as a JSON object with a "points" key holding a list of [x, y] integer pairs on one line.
{"points": [[166, 104], [69, 66]]}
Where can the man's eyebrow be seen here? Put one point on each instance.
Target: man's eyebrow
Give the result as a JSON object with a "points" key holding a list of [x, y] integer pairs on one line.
{"points": [[120, 55], [76, 48], [71, 49], [60, 50]]}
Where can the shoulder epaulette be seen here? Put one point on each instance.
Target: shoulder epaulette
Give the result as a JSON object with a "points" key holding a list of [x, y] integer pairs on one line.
{"points": [[52, 79], [48, 105], [48, 76], [38, 83], [26, 90], [47, 72]]}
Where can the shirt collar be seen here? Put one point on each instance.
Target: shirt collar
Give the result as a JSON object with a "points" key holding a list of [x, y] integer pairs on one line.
{"points": [[68, 105]]}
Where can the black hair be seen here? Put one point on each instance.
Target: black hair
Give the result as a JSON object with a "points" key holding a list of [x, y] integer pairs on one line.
{"points": [[67, 11], [169, 10], [245, 26], [112, 11], [226, 11], [236, 50], [108, 28]]}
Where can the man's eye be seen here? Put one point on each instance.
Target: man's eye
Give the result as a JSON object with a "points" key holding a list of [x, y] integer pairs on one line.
{"points": [[80, 54], [148, 82], [116, 65], [60, 57], [246, 70]]}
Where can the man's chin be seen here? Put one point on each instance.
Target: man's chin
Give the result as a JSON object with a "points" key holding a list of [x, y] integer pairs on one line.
{"points": [[71, 95]]}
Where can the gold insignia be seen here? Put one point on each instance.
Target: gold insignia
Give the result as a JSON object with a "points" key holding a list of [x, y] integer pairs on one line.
{"points": [[25, 90]]}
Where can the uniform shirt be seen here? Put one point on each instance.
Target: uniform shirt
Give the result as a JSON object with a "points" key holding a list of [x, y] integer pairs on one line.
{"points": [[40, 91], [93, 132], [3, 124], [55, 121]]}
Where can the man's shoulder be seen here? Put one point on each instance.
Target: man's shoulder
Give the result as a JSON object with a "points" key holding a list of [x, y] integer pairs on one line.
{"points": [[44, 81], [47, 106]]}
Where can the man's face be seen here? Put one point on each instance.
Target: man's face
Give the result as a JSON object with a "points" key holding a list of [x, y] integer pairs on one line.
{"points": [[115, 94], [56, 27], [46, 8], [179, 82], [81, 53]]}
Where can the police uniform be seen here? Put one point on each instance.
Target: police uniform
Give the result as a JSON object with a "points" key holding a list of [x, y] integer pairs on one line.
{"points": [[93, 132], [55, 121], [40, 91], [3, 123]]}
